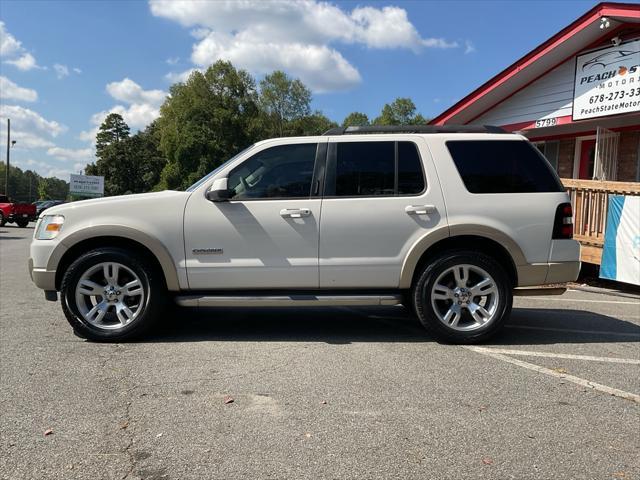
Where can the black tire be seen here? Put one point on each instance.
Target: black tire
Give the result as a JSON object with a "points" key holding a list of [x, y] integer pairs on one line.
{"points": [[22, 223], [155, 294], [2, 220], [423, 305]]}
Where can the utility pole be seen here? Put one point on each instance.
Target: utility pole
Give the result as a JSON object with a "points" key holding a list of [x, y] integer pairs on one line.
{"points": [[6, 173]]}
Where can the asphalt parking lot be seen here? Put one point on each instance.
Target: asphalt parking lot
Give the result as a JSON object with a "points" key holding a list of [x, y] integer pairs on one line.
{"points": [[319, 393]]}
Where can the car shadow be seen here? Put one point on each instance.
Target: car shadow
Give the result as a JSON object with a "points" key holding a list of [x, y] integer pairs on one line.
{"points": [[344, 325]]}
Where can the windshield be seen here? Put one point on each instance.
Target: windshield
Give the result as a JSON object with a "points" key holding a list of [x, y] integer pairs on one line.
{"points": [[213, 172]]}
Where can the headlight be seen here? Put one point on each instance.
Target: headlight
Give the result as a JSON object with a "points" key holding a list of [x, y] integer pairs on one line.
{"points": [[49, 227]]}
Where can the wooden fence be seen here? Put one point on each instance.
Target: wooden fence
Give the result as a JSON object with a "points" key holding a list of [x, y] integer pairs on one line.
{"points": [[589, 199]]}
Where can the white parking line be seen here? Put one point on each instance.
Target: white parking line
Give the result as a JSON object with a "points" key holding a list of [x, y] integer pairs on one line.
{"points": [[546, 299], [547, 371], [590, 358], [571, 330]]}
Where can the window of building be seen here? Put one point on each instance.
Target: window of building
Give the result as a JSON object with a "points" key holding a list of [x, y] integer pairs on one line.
{"points": [[502, 166], [550, 150]]}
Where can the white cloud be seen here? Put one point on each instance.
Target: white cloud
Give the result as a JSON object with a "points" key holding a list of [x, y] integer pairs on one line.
{"points": [[61, 70], [29, 128], [26, 140], [9, 46], [174, 77], [77, 70], [129, 91], [11, 91], [143, 107], [291, 35], [28, 120], [70, 153], [469, 47], [14, 52], [172, 60], [320, 67], [25, 62]]}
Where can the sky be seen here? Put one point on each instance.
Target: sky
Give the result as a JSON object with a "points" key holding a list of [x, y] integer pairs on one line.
{"points": [[64, 65]]}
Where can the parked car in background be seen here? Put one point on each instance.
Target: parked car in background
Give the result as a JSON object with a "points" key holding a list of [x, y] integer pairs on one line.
{"points": [[449, 221], [43, 205], [14, 212]]}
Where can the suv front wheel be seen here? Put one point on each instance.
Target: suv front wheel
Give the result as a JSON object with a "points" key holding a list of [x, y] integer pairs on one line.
{"points": [[462, 296], [110, 294]]}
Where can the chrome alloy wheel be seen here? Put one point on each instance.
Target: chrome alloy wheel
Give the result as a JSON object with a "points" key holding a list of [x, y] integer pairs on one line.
{"points": [[109, 295], [465, 297]]}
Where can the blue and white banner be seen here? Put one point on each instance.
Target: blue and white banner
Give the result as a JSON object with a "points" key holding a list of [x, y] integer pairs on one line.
{"points": [[621, 254]]}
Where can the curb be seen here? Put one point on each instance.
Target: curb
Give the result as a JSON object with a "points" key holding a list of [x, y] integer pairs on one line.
{"points": [[603, 291]]}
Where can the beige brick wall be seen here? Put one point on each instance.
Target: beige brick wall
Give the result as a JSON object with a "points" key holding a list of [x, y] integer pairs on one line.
{"points": [[628, 156], [566, 150]]}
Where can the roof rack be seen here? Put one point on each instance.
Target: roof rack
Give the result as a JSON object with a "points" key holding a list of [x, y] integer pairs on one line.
{"points": [[415, 129]]}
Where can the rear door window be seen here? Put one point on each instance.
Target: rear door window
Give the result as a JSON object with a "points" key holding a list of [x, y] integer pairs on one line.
{"points": [[376, 169], [503, 166]]}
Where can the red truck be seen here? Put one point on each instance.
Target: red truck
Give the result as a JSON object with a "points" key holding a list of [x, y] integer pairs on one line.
{"points": [[20, 213]]}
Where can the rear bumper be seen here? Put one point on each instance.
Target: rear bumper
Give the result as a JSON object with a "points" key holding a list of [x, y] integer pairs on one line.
{"points": [[543, 273], [563, 272], [14, 217], [563, 265]]}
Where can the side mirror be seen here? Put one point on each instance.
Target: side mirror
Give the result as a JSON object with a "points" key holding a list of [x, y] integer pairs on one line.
{"points": [[218, 191]]}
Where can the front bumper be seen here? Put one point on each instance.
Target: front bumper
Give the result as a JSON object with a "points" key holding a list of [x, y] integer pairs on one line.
{"points": [[43, 278]]}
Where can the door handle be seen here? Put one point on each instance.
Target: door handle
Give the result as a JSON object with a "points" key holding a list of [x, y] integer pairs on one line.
{"points": [[295, 212], [420, 209]]}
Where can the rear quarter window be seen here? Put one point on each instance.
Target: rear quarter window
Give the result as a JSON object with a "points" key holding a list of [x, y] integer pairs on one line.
{"points": [[503, 166]]}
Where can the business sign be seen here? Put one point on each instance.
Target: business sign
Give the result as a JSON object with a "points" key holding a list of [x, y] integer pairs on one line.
{"points": [[621, 252], [86, 185], [607, 82]]}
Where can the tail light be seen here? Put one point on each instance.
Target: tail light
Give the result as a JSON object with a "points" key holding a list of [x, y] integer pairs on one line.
{"points": [[563, 224]]}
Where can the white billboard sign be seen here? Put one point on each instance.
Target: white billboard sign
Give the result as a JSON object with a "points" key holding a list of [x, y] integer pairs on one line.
{"points": [[607, 82], [86, 185]]}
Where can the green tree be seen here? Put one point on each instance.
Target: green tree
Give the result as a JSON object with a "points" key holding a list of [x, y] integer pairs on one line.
{"points": [[129, 164], [313, 124], [355, 119], [114, 161], [206, 120], [402, 111], [24, 186], [112, 130], [284, 100]]}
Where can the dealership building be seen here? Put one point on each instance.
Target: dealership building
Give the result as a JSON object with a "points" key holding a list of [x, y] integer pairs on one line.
{"points": [[577, 97]]}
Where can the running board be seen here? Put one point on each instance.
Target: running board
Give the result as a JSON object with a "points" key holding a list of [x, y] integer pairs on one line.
{"points": [[537, 291], [286, 300]]}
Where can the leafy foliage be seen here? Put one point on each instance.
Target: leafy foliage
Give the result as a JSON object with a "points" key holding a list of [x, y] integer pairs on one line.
{"points": [[112, 130], [284, 101], [355, 119], [129, 164], [402, 111], [28, 186], [206, 120]]}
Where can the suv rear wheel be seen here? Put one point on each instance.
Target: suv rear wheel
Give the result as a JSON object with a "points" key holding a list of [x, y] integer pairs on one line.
{"points": [[109, 294], [462, 296]]}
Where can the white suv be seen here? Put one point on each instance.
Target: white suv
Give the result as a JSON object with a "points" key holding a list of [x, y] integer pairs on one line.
{"points": [[449, 221]]}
